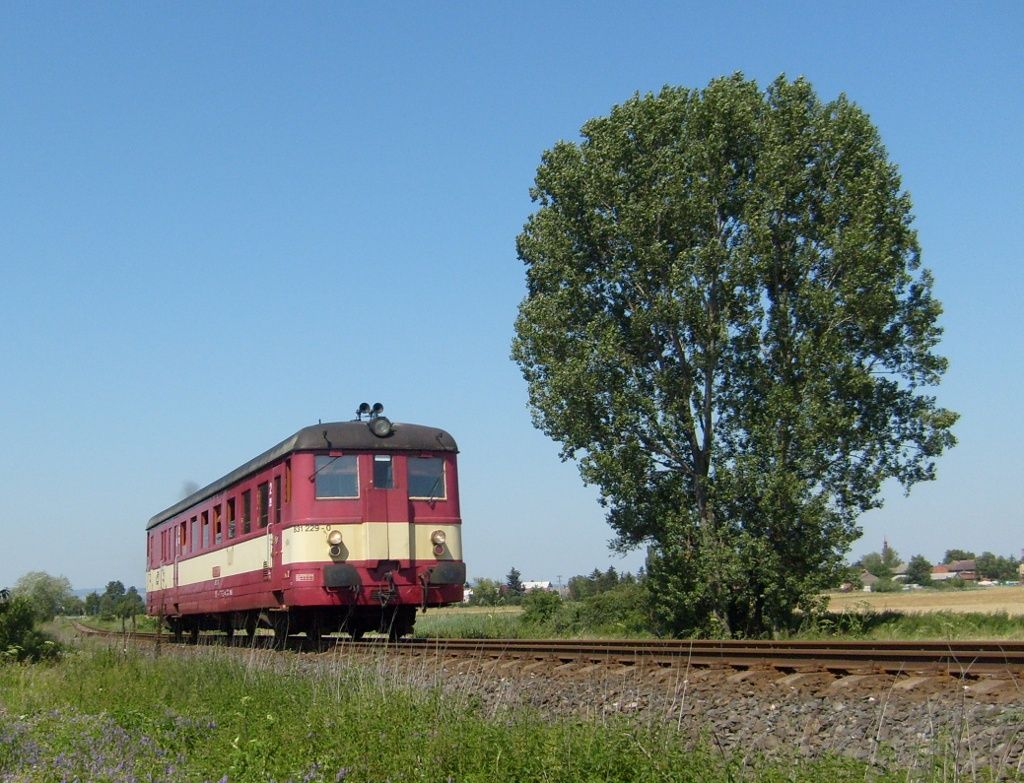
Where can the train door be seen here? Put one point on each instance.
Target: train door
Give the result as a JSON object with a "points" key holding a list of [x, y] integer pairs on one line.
{"points": [[264, 518], [179, 547], [275, 534], [387, 510]]}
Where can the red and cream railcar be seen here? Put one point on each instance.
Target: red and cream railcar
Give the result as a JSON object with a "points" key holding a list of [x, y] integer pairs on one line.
{"points": [[343, 526]]}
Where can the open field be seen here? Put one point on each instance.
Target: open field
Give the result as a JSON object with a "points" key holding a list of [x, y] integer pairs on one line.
{"points": [[982, 600]]}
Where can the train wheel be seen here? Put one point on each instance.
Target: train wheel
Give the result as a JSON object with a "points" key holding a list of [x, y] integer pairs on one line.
{"points": [[314, 631], [279, 623], [401, 622], [251, 621]]}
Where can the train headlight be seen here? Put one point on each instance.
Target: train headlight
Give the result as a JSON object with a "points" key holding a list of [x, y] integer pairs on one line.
{"points": [[438, 538], [334, 538], [381, 426]]}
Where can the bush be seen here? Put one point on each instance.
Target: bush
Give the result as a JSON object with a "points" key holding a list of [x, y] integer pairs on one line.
{"points": [[622, 610], [886, 586], [539, 606], [19, 639]]}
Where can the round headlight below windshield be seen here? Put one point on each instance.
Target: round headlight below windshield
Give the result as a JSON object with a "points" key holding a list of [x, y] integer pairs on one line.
{"points": [[438, 537], [334, 538]]}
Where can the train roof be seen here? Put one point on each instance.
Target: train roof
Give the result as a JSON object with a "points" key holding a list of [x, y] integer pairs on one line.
{"points": [[339, 435]]}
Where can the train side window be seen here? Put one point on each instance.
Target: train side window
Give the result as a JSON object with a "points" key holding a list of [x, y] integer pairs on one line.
{"points": [[277, 500], [246, 511], [194, 543], [337, 477], [205, 516], [218, 532], [231, 517], [262, 503], [426, 478], [383, 476]]}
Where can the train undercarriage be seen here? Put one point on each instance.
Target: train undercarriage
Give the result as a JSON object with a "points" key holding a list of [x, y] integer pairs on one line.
{"points": [[314, 622]]}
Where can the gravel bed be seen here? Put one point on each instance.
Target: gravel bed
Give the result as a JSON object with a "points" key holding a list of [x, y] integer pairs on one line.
{"points": [[892, 722]]}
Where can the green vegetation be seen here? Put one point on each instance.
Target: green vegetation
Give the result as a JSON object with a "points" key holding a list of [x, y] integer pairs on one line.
{"points": [[49, 595], [607, 604], [923, 625], [19, 638], [115, 602], [727, 324], [619, 613], [238, 717]]}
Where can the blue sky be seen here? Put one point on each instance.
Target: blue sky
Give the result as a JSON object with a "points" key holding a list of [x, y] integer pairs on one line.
{"points": [[223, 222]]}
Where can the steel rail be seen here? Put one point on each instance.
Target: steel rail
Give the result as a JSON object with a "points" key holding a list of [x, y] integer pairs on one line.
{"points": [[961, 658]]}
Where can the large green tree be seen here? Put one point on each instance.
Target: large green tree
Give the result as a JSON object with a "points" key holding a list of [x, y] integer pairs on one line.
{"points": [[919, 571], [48, 595], [727, 324]]}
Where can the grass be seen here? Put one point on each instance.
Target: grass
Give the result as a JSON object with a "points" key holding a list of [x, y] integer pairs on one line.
{"points": [[500, 622], [889, 625], [108, 714]]}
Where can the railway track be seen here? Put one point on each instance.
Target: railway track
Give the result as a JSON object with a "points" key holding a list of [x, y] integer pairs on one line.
{"points": [[962, 659], [957, 658]]}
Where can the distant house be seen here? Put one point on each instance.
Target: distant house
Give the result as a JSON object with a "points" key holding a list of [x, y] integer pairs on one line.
{"points": [[528, 586], [963, 569], [868, 580], [899, 573]]}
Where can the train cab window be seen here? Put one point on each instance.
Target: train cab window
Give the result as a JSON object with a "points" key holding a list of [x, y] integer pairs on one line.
{"points": [[218, 533], [206, 529], [426, 478], [383, 476], [194, 544], [336, 477], [263, 503], [231, 517], [246, 511]]}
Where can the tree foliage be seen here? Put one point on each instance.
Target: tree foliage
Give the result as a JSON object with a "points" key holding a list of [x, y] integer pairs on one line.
{"points": [[919, 571], [728, 326], [116, 602], [882, 564], [513, 584], [539, 606], [997, 567], [582, 587], [486, 592], [957, 554], [48, 595], [19, 638]]}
